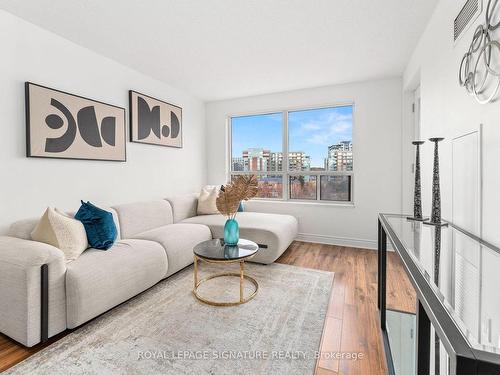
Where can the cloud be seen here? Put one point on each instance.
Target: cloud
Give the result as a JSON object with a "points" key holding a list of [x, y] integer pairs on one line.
{"points": [[340, 132], [328, 129], [310, 126]]}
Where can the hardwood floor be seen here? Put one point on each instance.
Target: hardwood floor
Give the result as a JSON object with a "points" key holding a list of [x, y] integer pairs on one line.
{"points": [[352, 323], [400, 293], [12, 352]]}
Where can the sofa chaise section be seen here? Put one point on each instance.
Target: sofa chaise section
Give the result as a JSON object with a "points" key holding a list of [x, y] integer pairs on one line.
{"points": [[276, 232]]}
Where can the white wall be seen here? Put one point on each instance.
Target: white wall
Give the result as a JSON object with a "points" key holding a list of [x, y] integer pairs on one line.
{"points": [[377, 157], [29, 185], [448, 111]]}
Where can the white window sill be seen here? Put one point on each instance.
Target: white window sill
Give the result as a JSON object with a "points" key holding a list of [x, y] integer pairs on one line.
{"points": [[303, 202]]}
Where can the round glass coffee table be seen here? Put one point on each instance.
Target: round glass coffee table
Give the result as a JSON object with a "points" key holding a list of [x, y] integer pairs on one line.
{"points": [[215, 251]]}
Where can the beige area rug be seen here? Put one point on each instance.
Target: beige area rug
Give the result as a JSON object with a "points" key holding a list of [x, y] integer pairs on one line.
{"points": [[167, 331]]}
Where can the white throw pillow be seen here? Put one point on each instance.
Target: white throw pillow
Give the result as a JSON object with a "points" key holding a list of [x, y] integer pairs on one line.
{"points": [[63, 232], [206, 200]]}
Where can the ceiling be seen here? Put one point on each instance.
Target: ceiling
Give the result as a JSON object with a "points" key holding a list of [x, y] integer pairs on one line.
{"points": [[219, 49]]}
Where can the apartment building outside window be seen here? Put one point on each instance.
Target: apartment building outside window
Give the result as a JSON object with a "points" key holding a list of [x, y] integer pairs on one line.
{"points": [[299, 155]]}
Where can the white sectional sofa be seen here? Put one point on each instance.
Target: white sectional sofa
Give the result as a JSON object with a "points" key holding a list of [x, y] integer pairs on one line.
{"points": [[42, 295]]}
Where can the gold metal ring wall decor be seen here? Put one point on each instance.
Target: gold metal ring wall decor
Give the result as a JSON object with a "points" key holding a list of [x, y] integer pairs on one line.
{"points": [[476, 74], [241, 275]]}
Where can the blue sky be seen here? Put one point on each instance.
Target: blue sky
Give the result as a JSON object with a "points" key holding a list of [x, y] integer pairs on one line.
{"points": [[311, 131]]}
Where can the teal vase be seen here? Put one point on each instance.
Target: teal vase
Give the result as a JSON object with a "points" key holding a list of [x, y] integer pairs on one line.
{"points": [[231, 232]]}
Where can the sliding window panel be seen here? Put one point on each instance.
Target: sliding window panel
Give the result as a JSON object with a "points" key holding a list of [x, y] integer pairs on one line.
{"points": [[303, 187], [335, 188]]}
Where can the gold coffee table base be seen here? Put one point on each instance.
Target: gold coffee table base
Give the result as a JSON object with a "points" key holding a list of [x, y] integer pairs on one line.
{"points": [[241, 275]]}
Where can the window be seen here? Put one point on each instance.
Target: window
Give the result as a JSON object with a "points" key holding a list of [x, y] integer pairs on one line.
{"points": [[302, 155]]}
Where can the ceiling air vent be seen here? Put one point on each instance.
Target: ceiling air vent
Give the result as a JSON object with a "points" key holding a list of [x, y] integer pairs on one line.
{"points": [[470, 11]]}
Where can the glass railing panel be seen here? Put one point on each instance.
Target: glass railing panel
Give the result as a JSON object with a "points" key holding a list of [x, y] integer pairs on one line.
{"points": [[463, 271], [401, 331]]}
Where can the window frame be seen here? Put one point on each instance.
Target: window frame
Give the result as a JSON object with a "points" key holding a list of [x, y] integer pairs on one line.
{"points": [[286, 173]]}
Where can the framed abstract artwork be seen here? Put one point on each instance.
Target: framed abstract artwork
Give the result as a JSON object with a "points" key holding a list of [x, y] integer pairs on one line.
{"points": [[153, 121], [66, 126]]}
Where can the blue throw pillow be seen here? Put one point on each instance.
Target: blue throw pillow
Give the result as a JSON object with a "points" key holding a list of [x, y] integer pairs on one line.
{"points": [[241, 208], [99, 225]]}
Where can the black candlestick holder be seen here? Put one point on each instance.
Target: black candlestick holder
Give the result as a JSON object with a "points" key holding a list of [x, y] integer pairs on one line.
{"points": [[417, 198], [436, 191], [437, 264]]}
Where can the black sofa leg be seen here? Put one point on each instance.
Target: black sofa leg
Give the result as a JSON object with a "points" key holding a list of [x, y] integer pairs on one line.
{"points": [[44, 305]]}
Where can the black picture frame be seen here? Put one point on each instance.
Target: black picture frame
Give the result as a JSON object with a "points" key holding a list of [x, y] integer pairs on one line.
{"points": [[133, 124], [121, 128]]}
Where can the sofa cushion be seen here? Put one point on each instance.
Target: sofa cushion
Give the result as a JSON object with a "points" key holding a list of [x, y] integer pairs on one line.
{"points": [[178, 240], [63, 232], [23, 228], [207, 200], [115, 218], [99, 225], [140, 217], [272, 230], [184, 206], [99, 280]]}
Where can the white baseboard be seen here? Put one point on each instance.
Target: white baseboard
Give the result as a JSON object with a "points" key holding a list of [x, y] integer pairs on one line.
{"points": [[339, 241]]}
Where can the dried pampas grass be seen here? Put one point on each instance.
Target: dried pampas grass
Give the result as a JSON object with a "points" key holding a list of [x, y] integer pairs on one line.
{"points": [[230, 196]]}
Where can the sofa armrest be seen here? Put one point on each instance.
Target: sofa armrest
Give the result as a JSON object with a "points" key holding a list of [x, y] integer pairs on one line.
{"points": [[21, 264], [25, 253]]}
